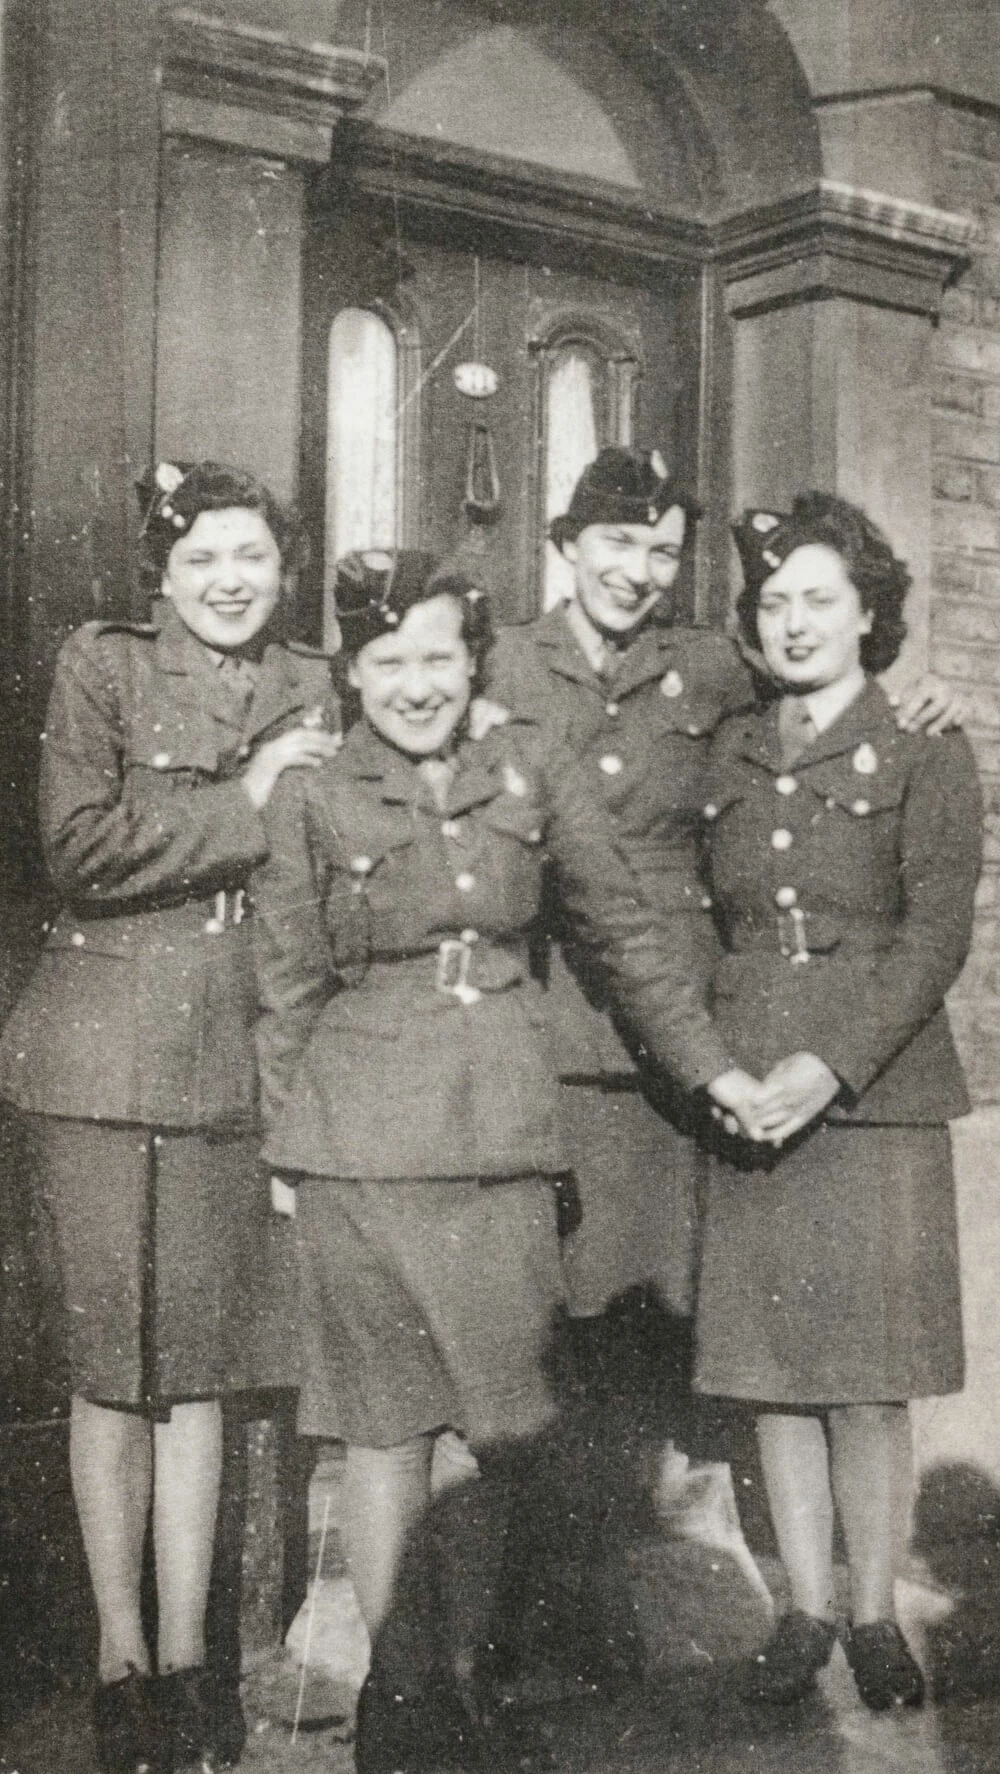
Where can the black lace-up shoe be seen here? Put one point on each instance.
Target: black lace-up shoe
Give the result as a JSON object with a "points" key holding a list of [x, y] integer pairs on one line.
{"points": [[127, 1727], [787, 1667], [885, 1672]]}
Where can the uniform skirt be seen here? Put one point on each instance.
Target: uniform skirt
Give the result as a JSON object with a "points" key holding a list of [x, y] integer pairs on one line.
{"points": [[830, 1272], [640, 1180], [160, 1241], [426, 1303]]}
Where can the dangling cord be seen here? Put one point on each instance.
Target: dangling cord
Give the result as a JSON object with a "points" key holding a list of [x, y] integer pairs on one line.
{"points": [[476, 309]]}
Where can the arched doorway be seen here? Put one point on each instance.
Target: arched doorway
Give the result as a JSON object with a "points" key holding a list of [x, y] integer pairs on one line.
{"points": [[540, 195]]}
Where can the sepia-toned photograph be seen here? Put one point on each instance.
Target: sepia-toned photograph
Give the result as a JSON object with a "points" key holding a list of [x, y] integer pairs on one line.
{"points": [[499, 886]]}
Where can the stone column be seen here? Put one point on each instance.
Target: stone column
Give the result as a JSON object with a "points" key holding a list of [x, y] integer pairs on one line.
{"points": [[832, 298]]}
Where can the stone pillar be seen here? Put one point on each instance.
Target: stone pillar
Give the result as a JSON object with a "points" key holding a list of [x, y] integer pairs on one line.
{"points": [[832, 300]]}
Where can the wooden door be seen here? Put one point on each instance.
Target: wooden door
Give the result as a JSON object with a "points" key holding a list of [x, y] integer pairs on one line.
{"points": [[584, 353]]}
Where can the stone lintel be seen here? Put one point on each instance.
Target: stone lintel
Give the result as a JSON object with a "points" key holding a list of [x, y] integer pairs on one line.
{"points": [[261, 90], [839, 240]]}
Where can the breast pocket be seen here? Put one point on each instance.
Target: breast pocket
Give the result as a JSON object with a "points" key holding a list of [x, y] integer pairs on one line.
{"points": [[170, 755], [856, 828]]}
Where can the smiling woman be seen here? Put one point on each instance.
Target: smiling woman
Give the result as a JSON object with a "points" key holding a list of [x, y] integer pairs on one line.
{"points": [[224, 577], [409, 1093], [415, 683], [163, 743], [844, 855]]}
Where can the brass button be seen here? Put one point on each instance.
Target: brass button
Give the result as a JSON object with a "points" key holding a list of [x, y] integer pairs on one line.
{"points": [[786, 897], [611, 764], [785, 785], [465, 881], [781, 839]]}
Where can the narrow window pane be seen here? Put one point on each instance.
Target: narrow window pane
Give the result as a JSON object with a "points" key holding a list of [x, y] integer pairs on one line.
{"points": [[571, 441], [361, 435]]}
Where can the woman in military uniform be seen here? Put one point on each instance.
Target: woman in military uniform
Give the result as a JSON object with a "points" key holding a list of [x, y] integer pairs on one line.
{"points": [[131, 1058], [844, 858], [407, 1082]]}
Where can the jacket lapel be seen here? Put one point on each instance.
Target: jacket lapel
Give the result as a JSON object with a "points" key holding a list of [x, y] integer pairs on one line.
{"points": [[278, 692], [649, 656], [868, 720], [561, 651]]}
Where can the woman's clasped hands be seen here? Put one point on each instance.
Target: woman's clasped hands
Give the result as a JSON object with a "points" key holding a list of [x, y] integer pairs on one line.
{"points": [[772, 1109]]}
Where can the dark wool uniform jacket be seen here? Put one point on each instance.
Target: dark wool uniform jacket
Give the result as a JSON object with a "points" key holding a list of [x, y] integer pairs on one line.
{"points": [[142, 1003], [862, 858], [642, 736], [368, 1069]]}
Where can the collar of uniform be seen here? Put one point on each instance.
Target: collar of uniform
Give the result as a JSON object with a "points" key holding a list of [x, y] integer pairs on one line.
{"points": [[277, 689], [478, 777], [563, 652], [868, 717], [177, 650], [647, 656]]}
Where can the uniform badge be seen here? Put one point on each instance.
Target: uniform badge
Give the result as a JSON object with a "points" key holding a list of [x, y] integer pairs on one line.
{"points": [[865, 760], [672, 684]]}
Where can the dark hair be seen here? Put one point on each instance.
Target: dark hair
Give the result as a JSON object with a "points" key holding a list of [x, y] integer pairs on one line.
{"points": [[171, 509], [880, 578]]}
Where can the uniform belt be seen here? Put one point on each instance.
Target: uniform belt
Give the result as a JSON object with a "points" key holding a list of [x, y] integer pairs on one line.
{"points": [[463, 967], [211, 914], [798, 935]]}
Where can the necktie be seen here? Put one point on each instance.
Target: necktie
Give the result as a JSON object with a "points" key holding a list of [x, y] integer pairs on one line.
{"points": [[795, 729], [236, 678]]}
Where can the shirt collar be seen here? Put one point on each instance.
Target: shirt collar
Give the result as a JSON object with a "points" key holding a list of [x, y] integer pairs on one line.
{"points": [[828, 703]]}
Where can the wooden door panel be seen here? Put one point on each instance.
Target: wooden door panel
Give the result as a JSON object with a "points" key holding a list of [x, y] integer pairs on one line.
{"points": [[500, 309]]}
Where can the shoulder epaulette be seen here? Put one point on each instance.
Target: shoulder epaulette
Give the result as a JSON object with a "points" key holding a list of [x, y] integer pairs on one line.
{"points": [[145, 631], [304, 651]]}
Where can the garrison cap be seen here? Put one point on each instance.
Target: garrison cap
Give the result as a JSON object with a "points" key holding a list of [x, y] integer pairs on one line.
{"points": [[621, 486], [374, 589]]}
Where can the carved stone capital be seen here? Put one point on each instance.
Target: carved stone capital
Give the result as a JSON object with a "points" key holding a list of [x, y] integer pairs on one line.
{"points": [[261, 90], [838, 240]]}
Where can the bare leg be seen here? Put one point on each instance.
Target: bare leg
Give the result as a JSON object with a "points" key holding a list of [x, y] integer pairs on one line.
{"points": [[111, 1471], [870, 1449], [796, 1466], [188, 1463], [385, 1493]]}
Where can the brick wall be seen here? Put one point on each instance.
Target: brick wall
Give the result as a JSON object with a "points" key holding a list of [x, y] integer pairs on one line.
{"points": [[965, 597]]}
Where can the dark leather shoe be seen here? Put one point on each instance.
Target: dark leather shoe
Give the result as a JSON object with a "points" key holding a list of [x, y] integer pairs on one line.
{"points": [[203, 1722], [127, 1726], [416, 1733], [885, 1672], [786, 1669]]}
